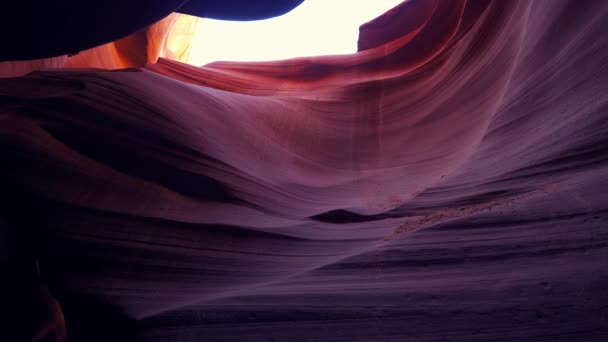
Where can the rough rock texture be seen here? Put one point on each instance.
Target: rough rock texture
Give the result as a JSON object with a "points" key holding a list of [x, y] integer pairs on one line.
{"points": [[449, 182]]}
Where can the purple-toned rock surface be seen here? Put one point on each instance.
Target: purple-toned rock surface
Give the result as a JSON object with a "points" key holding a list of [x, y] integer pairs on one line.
{"points": [[449, 182]]}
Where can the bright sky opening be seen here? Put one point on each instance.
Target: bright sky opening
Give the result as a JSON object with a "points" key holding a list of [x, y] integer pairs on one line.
{"points": [[316, 27]]}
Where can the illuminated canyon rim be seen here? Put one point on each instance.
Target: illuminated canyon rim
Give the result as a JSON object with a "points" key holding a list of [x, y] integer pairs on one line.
{"points": [[446, 182]]}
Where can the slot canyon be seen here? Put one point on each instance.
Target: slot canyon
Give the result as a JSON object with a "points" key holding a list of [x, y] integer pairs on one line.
{"points": [[448, 181]]}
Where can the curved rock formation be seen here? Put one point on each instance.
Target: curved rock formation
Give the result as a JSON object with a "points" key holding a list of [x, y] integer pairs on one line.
{"points": [[43, 29], [448, 181]]}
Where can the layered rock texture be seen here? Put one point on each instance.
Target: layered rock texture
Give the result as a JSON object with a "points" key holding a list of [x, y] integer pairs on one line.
{"points": [[448, 182]]}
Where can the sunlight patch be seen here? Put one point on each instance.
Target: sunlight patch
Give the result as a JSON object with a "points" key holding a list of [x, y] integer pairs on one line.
{"points": [[316, 27]]}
